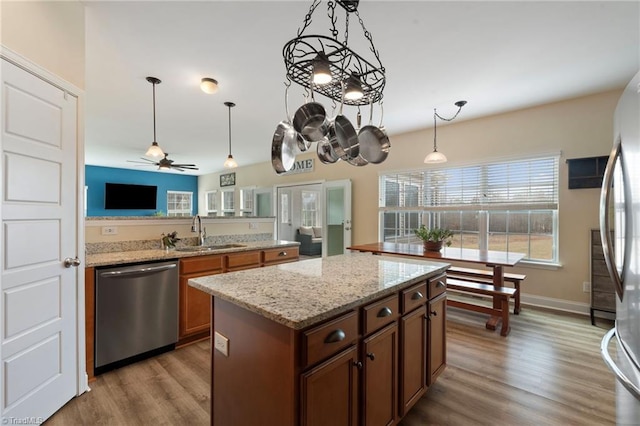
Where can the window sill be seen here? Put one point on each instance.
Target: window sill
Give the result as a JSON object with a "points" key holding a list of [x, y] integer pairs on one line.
{"points": [[540, 265]]}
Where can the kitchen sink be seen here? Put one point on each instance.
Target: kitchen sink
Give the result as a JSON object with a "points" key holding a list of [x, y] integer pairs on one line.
{"points": [[209, 248]]}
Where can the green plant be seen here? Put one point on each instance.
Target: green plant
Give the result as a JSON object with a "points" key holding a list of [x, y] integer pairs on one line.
{"points": [[434, 234], [170, 239]]}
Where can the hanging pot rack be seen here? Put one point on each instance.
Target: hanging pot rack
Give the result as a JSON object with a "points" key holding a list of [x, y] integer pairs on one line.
{"points": [[301, 52]]}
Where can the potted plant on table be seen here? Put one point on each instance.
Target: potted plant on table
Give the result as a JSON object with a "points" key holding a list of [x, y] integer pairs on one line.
{"points": [[434, 238]]}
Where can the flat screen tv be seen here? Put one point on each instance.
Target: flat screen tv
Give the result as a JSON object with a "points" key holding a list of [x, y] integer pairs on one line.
{"points": [[128, 196]]}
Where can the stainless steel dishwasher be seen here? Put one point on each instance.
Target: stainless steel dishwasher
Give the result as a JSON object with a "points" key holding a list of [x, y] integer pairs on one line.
{"points": [[136, 313]]}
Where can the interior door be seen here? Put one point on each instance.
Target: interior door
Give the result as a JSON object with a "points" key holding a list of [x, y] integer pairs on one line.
{"points": [[337, 195], [285, 229], [39, 230]]}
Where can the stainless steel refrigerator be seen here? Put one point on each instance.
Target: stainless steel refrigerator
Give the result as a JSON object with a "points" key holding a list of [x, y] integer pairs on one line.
{"points": [[620, 211]]}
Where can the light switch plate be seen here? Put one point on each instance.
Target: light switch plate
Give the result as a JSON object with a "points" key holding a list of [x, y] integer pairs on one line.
{"points": [[221, 344]]}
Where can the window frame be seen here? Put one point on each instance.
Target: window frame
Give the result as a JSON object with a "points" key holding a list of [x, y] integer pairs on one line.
{"points": [[214, 194], [415, 198], [180, 212]]}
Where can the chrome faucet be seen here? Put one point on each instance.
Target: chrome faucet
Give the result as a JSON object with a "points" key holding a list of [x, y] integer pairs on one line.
{"points": [[196, 226]]}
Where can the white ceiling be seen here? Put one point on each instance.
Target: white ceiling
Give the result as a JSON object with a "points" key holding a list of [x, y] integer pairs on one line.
{"points": [[499, 56]]}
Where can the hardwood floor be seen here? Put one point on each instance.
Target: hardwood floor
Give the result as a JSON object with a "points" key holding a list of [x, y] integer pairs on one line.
{"points": [[548, 371]]}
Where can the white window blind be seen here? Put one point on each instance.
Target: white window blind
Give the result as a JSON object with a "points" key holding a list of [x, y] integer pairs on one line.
{"points": [[212, 202], [492, 186]]}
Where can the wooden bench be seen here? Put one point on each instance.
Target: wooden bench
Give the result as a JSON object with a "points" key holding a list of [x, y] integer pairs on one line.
{"points": [[501, 293], [486, 277]]}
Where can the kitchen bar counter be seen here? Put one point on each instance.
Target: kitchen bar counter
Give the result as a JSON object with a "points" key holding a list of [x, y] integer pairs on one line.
{"points": [[303, 293], [135, 256], [350, 339]]}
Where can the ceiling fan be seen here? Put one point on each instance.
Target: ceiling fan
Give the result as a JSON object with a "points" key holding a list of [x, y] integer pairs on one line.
{"points": [[165, 164]]}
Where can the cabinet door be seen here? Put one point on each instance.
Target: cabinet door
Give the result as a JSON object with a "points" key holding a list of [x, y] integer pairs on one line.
{"points": [[195, 309], [330, 391], [437, 337], [413, 358], [380, 377]]}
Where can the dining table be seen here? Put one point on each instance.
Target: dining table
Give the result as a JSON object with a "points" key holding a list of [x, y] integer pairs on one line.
{"points": [[494, 259]]}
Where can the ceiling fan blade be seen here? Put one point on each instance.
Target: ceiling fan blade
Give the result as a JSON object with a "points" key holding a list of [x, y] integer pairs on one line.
{"points": [[183, 165], [140, 162]]}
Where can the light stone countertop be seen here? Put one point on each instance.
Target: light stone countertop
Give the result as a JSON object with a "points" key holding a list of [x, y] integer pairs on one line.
{"points": [[123, 257], [303, 293]]}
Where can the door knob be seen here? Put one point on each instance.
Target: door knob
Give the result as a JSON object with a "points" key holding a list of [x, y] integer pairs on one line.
{"points": [[69, 262]]}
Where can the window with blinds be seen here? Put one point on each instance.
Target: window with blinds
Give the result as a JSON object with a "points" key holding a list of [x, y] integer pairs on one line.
{"points": [[179, 203], [212, 199], [506, 206]]}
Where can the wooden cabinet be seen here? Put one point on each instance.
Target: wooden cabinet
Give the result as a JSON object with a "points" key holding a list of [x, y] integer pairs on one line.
{"points": [[367, 366], [413, 361], [280, 255], [437, 337], [242, 260], [329, 392], [89, 319], [195, 305], [380, 377], [603, 293]]}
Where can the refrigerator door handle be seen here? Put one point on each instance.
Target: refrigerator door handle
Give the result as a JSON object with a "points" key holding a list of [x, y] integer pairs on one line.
{"points": [[605, 225], [622, 378]]}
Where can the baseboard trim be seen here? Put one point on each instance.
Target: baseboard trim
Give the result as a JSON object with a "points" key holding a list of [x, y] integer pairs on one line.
{"points": [[555, 304]]}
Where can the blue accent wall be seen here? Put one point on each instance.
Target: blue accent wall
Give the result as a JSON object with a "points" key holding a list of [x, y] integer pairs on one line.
{"points": [[96, 177]]}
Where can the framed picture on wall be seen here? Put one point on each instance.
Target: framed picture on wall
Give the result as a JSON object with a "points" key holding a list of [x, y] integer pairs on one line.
{"points": [[228, 179]]}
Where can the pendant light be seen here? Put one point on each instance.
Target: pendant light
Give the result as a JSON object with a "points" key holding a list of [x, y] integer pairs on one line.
{"points": [[154, 150], [353, 90], [321, 69], [230, 163], [436, 157]]}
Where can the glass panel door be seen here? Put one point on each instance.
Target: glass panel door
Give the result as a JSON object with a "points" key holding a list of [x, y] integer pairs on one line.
{"points": [[338, 217]]}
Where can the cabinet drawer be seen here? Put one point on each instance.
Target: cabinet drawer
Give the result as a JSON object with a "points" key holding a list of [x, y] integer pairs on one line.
{"points": [[414, 297], [380, 313], [437, 286], [279, 255], [327, 339], [243, 260], [201, 263]]}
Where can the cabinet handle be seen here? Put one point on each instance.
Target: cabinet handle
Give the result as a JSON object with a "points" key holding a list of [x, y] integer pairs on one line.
{"points": [[335, 336], [282, 253], [385, 312], [434, 313], [357, 364], [371, 356], [440, 284], [427, 317], [417, 295]]}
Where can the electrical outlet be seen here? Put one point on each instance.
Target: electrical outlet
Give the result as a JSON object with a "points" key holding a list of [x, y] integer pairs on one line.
{"points": [[586, 287], [221, 344], [253, 225], [109, 230]]}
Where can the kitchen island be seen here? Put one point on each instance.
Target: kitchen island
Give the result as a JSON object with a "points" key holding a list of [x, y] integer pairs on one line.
{"points": [[350, 339]]}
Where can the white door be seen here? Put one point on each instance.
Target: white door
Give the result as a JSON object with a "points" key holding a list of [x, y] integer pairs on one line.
{"points": [[285, 229], [337, 224], [38, 316]]}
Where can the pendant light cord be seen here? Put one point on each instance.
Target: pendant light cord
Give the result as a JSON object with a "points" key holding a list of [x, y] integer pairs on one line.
{"points": [[459, 104], [229, 129], [154, 112]]}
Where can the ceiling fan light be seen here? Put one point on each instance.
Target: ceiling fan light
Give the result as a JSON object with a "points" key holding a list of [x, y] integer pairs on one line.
{"points": [[435, 157], [230, 163], [209, 85], [154, 150], [321, 70]]}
